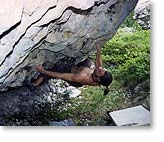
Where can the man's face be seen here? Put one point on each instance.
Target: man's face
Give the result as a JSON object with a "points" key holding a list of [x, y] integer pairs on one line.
{"points": [[99, 71]]}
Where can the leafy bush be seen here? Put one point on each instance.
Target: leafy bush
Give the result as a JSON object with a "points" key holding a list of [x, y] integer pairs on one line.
{"points": [[128, 56]]}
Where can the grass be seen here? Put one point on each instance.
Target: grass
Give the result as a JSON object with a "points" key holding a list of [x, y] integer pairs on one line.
{"points": [[91, 107]]}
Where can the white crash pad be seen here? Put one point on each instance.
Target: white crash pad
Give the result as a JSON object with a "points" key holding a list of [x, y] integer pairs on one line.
{"points": [[135, 116]]}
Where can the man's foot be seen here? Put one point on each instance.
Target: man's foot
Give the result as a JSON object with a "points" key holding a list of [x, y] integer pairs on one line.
{"points": [[30, 85]]}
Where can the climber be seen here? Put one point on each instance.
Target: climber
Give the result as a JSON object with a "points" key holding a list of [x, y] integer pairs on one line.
{"points": [[78, 75]]}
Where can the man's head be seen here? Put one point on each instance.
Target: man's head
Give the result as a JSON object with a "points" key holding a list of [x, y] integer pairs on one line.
{"points": [[102, 77]]}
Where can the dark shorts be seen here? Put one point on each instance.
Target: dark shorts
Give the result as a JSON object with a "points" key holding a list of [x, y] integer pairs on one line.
{"points": [[66, 68]]}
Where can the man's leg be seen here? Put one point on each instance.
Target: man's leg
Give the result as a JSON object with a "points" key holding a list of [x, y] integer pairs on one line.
{"points": [[32, 85], [86, 63], [38, 81]]}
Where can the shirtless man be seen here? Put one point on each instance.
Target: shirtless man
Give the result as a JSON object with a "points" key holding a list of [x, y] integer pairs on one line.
{"points": [[81, 74]]}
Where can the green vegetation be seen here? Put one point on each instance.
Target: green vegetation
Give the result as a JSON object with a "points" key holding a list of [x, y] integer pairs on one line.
{"points": [[91, 107], [127, 56]]}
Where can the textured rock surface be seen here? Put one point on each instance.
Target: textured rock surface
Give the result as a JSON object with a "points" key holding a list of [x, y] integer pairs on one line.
{"points": [[142, 13], [23, 107], [49, 32]]}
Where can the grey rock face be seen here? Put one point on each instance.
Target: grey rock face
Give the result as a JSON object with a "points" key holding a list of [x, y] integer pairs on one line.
{"points": [[49, 32], [24, 107], [142, 13]]}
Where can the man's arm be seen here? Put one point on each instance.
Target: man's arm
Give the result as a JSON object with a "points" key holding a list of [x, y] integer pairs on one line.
{"points": [[98, 55], [63, 76]]}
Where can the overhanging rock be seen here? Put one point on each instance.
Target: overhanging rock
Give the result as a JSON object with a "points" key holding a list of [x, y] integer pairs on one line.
{"points": [[50, 31]]}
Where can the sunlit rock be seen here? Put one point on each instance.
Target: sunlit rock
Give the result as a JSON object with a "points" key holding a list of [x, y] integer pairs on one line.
{"points": [[48, 31]]}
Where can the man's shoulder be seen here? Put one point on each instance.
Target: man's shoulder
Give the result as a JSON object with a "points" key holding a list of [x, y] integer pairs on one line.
{"points": [[85, 79], [80, 77], [86, 70]]}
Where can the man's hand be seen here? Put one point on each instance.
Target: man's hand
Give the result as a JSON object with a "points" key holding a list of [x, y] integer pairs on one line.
{"points": [[39, 68], [98, 61], [98, 45]]}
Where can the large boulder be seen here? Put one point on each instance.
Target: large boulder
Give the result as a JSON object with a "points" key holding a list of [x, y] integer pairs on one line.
{"points": [[24, 107], [142, 13], [49, 32]]}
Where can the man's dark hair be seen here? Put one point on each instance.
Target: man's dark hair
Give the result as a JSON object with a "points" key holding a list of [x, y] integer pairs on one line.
{"points": [[106, 80]]}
